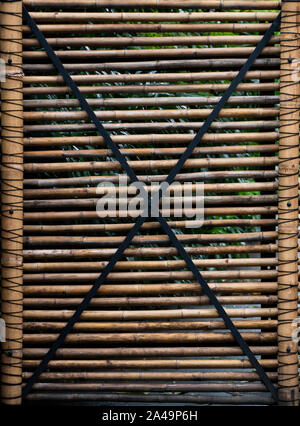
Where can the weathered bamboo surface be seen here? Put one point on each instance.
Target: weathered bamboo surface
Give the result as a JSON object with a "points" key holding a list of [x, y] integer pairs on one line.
{"points": [[153, 78], [219, 4], [11, 201], [288, 224]]}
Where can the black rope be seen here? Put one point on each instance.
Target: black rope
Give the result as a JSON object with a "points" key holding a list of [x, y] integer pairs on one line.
{"points": [[56, 61], [214, 114]]}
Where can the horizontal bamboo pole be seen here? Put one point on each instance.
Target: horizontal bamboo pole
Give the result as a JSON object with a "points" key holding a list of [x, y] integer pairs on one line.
{"points": [[52, 315], [105, 253], [96, 327], [148, 364], [148, 239], [201, 4], [96, 353], [54, 229], [84, 215], [182, 177], [138, 338], [150, 41], [157, 77], [158, 398], [147, 88], [150, 114], [146, 265], [122, 191], [148, 139], [239, 200], [131, 152], [220, 52], [139, 27], [210, 200], [148, 289], [69, 303], [177, 212], [207, 64], [157, 101], [55, 17], [157, 376], [150, 164], [31, 194], [147, 387], [65, 183], [132, 214], [148, 276], [241, 125]]}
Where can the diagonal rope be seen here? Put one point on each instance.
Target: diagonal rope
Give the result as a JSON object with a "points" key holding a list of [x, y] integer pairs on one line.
{"points": [[122, 160]]}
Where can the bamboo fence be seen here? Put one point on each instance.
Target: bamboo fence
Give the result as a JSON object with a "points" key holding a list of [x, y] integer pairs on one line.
{"points": [[150, 334]]}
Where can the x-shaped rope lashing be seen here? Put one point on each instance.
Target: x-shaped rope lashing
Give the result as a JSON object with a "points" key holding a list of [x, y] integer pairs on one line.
{"points": [[135, 229]]}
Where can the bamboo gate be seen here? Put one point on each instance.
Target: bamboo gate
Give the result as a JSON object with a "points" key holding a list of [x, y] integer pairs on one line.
{"points": [[152, 71]]}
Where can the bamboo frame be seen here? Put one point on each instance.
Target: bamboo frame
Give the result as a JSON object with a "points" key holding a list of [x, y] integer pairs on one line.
{"points": [[288, 204], [12, 201], [135, 307]]}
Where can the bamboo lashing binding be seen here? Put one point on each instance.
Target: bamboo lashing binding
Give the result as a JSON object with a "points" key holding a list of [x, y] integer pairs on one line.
{"points": [[288, 205], [134, 320], [11, 201]]}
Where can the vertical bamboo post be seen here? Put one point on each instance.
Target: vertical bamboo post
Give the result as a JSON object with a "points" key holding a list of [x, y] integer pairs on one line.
{"points": [[288, 377], [11, 201]]}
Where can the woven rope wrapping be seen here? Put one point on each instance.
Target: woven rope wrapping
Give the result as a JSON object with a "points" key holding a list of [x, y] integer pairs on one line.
{"points": [[12, 201], [288, 207]]}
